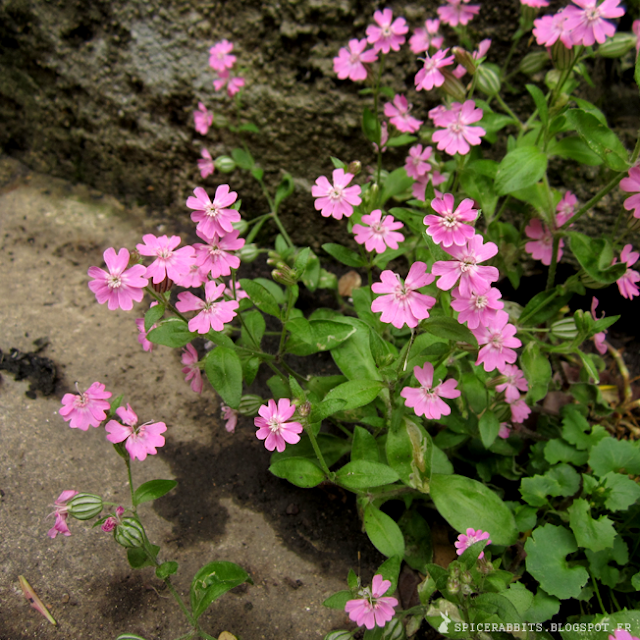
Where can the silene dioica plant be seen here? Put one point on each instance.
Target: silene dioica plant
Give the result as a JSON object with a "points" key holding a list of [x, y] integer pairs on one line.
{"points": [[446, 399]]}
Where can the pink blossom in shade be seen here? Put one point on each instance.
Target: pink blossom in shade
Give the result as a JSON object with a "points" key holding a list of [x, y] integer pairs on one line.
{"points": [[464, 266], [86, 409], [112, 521], [549, 29], [384, 136], [430, 75], [457, 12], [423, 39], [635, 27], [535, 4], [191, 368], [230, 416], [542, 247], [416, 163], [459, 72], [464, 541], [61, 514], [631, 184], [427, 400], [212, 315], [399, 115], [458, 134], [215, 256], [220, 58], [514, 383], [203, 119], [233, 83], [505, 430], [273, 425], [566, 209], [139, 441], [205, 164], [337, 199], [373, 609], [387, 33], [142, 335], [499, 340], [520, 411], [598, 338], [587, 20], [448, 227], [477, 309], [121, 287], [350, 62], [214, 216], [169, 261], [622, 634], [419, 188], [379, 232], [627, 284]]}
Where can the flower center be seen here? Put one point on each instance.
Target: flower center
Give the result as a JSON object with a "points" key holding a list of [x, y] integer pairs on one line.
{"points": [[274, 424], [212, 210], [164, 253], [496, 341], [467, 264], [456, 127], [354, 58], [214, 250], [386, 31], [378, 229], [335, 194], [592, 15], [450, 221], [81, 401], [114, 281], [480, 302]]}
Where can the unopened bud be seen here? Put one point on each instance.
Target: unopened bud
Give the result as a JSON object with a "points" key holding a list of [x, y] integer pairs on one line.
{"points": [[284, 276], [226, 164], [162, 287], [85, 506], [466, 578], [354, 167], [249, 405], [564, 329], [304, 409], [561, 56], [240, 226], [633, 223], [464, 58], [129, 533], [134, 258], [248, 253], [534, 62], [527, 16], [452, 86], [617, 46], [453, 586], [488, 80]]}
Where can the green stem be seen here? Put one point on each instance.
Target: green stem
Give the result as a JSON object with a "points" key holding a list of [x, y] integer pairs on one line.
{"points": [[161, 299], [505, 66], [376, 94], [133, 502], [277, 371], [546, 302], [294, 373], [595, 586], [615, 602], [503, 206], [316, 448], [281, 228], [202, 633], [610, 186], [508, 110], [283, 335]]}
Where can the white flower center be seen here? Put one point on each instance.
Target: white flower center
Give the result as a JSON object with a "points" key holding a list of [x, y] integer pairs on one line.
{"points": [[114, 281], [274, 424], [496, 341], [480, 302], [449, 221], [467, 264], [335, 194], [212, 210]]}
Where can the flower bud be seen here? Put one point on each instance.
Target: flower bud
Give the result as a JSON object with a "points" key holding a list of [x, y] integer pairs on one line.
{"points": [[464, 58], [488, 80], [249, 405], [240, 226], [527, 16], [633, 223], [466, 578], [225, 164], [453, 586], [248, 253], [162, 287], [304, 409], [564, 329], [134, 258], [617, 46], [534, 62], [452, 86], [561, 56], [84, 506], [285, 275], [552, 78], [129, 533], [354, 167]]}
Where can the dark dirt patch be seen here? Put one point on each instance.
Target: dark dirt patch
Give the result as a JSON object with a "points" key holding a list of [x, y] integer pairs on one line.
{"points": [[39, 371]]}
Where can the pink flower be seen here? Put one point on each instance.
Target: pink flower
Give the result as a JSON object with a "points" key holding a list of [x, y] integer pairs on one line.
{"points": [[627, 284], [195, 277], [535, 4], [505, 430], [631, 184], [374, 609], [112, 521], [588, 24], [458, 135], [519, 411], [240, 292], [273, 427], [598, 338], [140, 440], [465, 541], [230, 416], [169, 262], [549, 29], [215, 255], [219, 56], [205, 164], [380, 234], [416, 164], [635, 27], [384, 136], [402, 304], [398, 114], [457, 12], [566, 209], [234, 83], [336, 200], [448, 228], [423, 39], [499, 342], [203, 119], [464, 266], [542, 248], [622, 634], [121, 287], [477, 309], [389, 34], [142, 335], [350, 62], [192, 368], [213, 315], [427, 401], [61, 514], [430, 75], [514, 382], [214, 217], [87, 409]]}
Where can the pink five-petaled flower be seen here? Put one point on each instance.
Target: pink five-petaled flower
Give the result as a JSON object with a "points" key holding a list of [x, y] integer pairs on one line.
{"points": [[622, 634], [399, 115], [514, 382], [477, 309], [234, 83], [473, 277], [598, 338], [423, 39], [273, 427], [61, 514], [373, 609], [147, 345], [337, 199], [631, 184], [505, 430], [112, 521], [213, 315], [519, 411], [416, 163], [214, 256], [587, 21], [140, 440], [548, 29], [170, 262], [427, 400], [448, 228], [542, 248], [87, 409], [350, 62], [205, 164], [389, 33], [499, 342], [566, 209], [214, 217], [121, 287], [230, 417], [192, 369], [220, 57], [380, 232], [457, 134], [402, 304], [203, 119], [627, 284], [465, 541], [457, 12], [430, 75]]}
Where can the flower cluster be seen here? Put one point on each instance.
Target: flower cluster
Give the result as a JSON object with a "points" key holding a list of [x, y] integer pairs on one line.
{"points": [[222, 62], [373, 608]]}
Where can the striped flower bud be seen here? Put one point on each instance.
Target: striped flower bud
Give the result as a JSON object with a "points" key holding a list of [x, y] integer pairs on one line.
{"points": [[129, 533], [84, 506]]}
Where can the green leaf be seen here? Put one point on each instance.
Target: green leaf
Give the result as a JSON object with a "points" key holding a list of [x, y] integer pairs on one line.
{"points": [[489, 426], [249, 126], [261, 297], [344, 255], [337, 163], [362, 474], [383, 532], [166, 569], [480, 188], [390, 570], [401, 140], [152, 490], [212, 581], [397, 182], [173, 333], [599, 562], [575, 149], [557, 450], [537, 370], [590, 533], [370, 126], [338, 601], [332, 447], [562, 480], [311, 336], [595, 256], [409, 450], [541, 103], [543, 608], [498, 605], [575, 429], [243, 159], [138, 557], [224, 371], [255, 325], [464, 503], [354, 355], [621, 456], [623, 491], [153, 315], [418, 551], [449, 329], [285, 189], [348, 395], [474, 392], [301, 472], [364, 446], [604, 625], [520, 168]]}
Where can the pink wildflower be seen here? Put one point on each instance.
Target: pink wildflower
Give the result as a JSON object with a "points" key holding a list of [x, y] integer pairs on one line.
{"points": [[230, 416], [212, 315], [380, 232], [542, 248], [61, 514], [217, 216], [520, 411], [389, 34], [350, 62], [336, 200], [427, 400], [399, 115], [627, 284], [384, 136], [622, 634], [215, 255], [147, 345], [458, 134], [631, 184], [430, 75], [587, 20], [140, 440], [192, 369], [220, 58], [635, 27], [499, 342], [87, 409], [234, 83], [273, 427], [195, 277], [423, 39], [549, 29], [457, 12], [514, 382], [505, 430], [598, 338], [477, 309], [169, 262], [240, 292], [416, 164], [203, 119], [535, 4], [205, 164], [374, 609], [465, 541], [448, 227], [402, 304], [112, 521], [566, 209]]}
